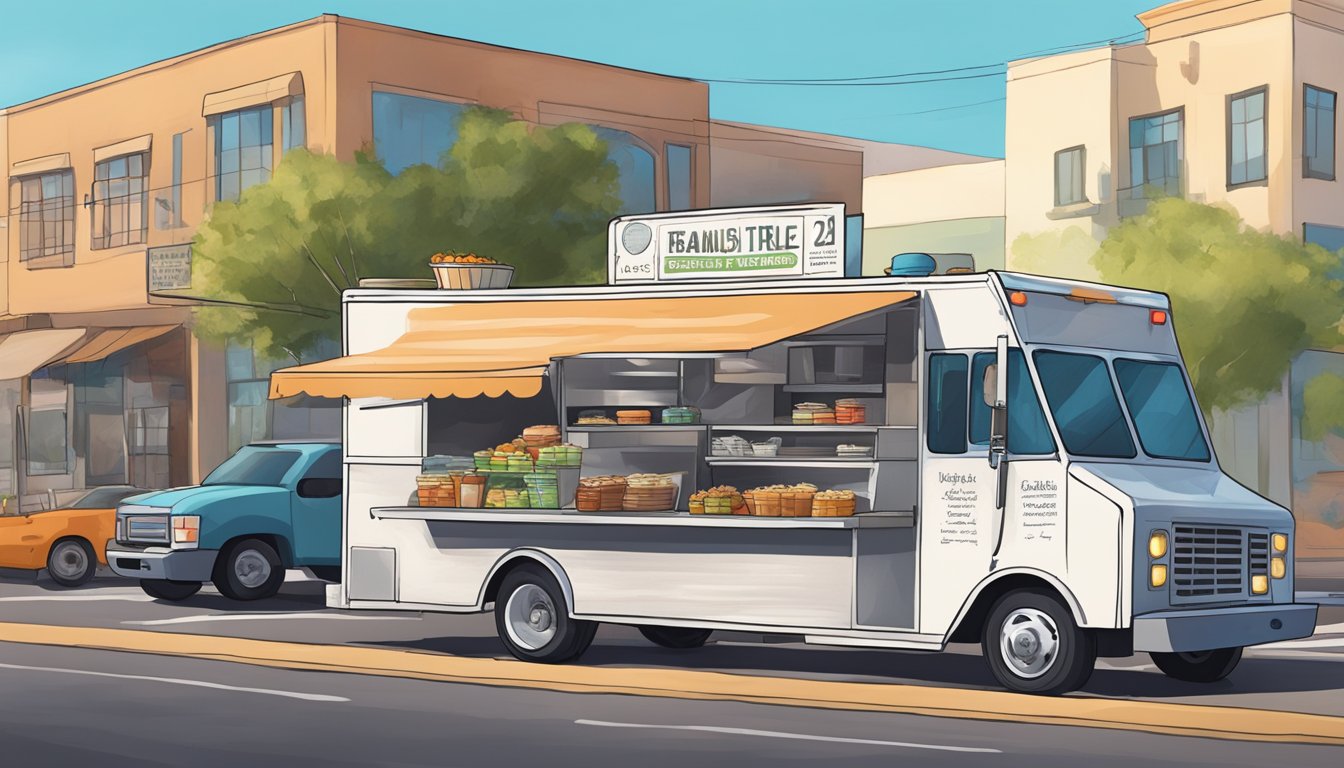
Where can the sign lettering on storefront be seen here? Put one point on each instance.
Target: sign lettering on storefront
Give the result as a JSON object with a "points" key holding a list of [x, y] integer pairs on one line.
{"points": [[169, 268], [779, 241]]}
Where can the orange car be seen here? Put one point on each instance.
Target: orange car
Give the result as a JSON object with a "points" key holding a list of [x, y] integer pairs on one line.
{"points": [[68, 542]]}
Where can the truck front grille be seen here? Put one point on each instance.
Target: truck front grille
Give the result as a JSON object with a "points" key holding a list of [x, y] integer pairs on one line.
{"points": [[1208, 563], [142, 529]]}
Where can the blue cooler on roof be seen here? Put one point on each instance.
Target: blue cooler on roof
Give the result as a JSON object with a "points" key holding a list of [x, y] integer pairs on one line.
{"points": [[912, 265]]}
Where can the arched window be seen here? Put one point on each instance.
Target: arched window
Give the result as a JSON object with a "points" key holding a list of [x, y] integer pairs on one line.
{"points": [[635, 165]]}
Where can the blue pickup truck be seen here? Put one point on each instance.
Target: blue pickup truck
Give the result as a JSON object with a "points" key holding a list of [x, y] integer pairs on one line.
{"points": [[269, 507]]}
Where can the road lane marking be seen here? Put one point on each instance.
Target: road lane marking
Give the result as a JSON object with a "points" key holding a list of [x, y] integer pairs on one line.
{"points": [[179, 681], [131, 597], [1179, 719], [794, 736], [206, 617]]}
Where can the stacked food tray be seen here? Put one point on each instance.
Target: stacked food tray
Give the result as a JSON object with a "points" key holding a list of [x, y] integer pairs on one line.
{"points": [[650, 493], [604, 493]]}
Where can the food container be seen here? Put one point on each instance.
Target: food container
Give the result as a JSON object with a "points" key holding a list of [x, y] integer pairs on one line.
{"points": [[731, 445], [796, 503], [650, 493], [541, 436], [854, 451], [833, 504], [520, 462], [681, 415], [600, 494], [482, 459], [813, 413], [435, 490], [768, 448], [559, 456], [469, 277], [781, 500], [634, 417], [850, 411], [446, 464], [543, 489], [471, 491]]}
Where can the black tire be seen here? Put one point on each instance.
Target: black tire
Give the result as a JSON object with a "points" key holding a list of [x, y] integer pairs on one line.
{"points": [[1198, 666], [532, 618], [249, 569], [680, 638], [1021, 630], [173, 591], [71, 562]]}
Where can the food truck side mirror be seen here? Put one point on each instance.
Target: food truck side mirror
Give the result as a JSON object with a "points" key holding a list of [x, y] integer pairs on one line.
{"points": [[995, 393]]}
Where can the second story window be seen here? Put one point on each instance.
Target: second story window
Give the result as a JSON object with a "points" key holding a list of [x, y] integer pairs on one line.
{"points": [[1318, 133], [1069, 186], [244, 149], [1155, 153], [634, 163], [1246, 138], [47, 219], [120, 210]]}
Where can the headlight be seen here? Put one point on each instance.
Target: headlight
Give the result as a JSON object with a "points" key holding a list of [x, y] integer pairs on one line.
{"points": [[1157, 575], [1280, 541], [186, 529], [1157, 544], [1259, 584], [1277, 568]]}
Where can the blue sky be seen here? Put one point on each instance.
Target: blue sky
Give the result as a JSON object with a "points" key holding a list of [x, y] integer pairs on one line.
{"points": [[710, 39]]}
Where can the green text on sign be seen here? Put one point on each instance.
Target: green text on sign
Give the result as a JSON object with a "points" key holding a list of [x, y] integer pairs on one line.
{"points": [[676, 264]]}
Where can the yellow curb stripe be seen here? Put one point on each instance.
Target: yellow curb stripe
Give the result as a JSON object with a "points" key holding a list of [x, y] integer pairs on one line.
{"points": [[1150, 717]]}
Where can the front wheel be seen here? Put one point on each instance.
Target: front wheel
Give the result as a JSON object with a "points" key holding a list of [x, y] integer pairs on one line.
{"points": [[1198, 666], [1032, 644], [533, 619], [680, 638], [173, 591], [71, 563], [249, 570]]}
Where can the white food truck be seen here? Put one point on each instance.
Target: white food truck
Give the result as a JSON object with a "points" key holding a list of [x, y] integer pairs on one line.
{"points": [[1028, 466]]}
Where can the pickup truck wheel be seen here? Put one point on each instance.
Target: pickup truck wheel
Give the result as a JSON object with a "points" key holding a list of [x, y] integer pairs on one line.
{"points": [[680, 638], [161, 589], [1032, 644], [1198, 666], [71, 562], [533, 620], [249, 569]]}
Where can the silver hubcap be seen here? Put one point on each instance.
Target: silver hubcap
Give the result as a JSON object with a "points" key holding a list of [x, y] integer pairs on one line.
{"points": [[70, 561], [1029, 642], [252, 569], [530, 617]]}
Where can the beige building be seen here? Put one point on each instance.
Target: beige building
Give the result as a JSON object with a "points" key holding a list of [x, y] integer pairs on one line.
{"points": [[101, 379], [1225, 101]]}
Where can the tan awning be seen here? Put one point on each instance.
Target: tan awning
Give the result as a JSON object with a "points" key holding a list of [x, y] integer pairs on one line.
{"points": [[40, 164], [127, 147], [491, 348], [253, 94], [24, 352], [109, 342]]}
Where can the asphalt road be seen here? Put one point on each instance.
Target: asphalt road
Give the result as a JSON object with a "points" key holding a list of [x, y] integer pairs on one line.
{"points": [[75, 707]]}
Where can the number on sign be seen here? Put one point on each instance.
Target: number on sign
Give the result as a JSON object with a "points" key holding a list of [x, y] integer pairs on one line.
{"points": [[825, 232]]}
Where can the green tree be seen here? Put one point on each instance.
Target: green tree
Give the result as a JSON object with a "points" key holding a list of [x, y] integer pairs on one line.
{"points": [[1245, 303], [273, 265]]}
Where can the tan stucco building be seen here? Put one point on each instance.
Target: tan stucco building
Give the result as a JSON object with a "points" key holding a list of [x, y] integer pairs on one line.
{"points": [[101, 379]]}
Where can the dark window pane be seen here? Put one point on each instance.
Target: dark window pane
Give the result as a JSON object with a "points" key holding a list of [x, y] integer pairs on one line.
{"points": [[634, 165], [1163, 413], [409, 130], [1080, 394], [1028, 432], [947, 403], [678, 177]]}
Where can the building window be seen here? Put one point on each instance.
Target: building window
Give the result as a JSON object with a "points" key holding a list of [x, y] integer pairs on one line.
{"points": [[410, 130], [634, 165], [293, 124], [1246, 138], [176, 201], [1328, 237], [243, 150], [679, 177], [1069, 185], [1318, 133], [47, 219], [47, 443], [1155, 153], [120, 214]]}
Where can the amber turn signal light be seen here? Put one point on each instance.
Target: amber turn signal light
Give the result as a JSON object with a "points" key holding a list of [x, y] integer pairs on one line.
{"points": [[1158, 316]]}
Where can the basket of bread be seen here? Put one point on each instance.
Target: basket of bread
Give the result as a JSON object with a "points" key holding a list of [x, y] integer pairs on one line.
{"points": [[467, 271], [719, 500], [651, 492], [781, 500], [603, 493], [833, 503]]}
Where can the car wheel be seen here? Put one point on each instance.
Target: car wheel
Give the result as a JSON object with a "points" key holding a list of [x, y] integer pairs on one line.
{"points": [[681, 638], [173, 591], [1198, 666], [71, 562], [533, 620], [1032, 644], [249, 569]]}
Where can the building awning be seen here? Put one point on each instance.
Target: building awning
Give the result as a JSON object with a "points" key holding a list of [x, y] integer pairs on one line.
{"points": [[493, 348], [107, 343], [253, 94], [24, 352]]}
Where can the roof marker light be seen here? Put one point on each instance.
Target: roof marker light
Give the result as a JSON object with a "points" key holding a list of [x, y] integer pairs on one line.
{"points": [[1018, 299], [1157, 316]]}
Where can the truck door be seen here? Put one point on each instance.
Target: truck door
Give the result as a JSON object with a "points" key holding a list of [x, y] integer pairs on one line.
{"points": [[317, 512]]}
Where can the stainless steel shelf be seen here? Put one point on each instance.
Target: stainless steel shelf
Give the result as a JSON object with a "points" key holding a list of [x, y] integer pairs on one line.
{"points": [[818, 462]]}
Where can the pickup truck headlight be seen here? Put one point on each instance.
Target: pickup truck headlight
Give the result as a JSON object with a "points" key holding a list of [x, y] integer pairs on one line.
{"points": [[186, 530], [1157, 544], [1280, 541]]}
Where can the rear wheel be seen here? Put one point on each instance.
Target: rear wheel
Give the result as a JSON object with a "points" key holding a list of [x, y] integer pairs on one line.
{"points": [[676, 637], [1198, 666], [533, 620], [71, 562], [249, 569], [1032, 644], [162, 589]]}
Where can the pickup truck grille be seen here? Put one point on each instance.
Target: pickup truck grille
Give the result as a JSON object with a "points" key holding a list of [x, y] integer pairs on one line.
{"points": [[142, 529], [1215, 563]]}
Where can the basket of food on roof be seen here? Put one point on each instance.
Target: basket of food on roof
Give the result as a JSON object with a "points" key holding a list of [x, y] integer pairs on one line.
{"points": [[467, 271]]}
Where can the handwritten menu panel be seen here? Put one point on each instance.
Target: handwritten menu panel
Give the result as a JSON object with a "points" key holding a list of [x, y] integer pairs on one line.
{"points": [[959, 495], [1039, 504]]}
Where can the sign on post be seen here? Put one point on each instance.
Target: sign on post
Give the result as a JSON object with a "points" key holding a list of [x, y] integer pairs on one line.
{"points": [[728, 244], [169, 268]]}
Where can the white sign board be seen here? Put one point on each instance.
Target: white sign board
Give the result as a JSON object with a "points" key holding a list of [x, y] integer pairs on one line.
{"points": [[169, 268], [728, 244]]}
